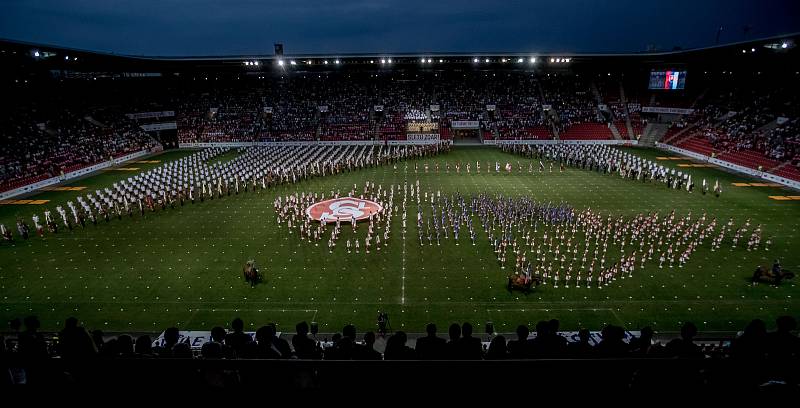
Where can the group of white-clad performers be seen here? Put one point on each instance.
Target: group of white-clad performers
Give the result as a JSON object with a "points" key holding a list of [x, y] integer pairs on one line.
{"points": [[291, 211], [196, 178]]}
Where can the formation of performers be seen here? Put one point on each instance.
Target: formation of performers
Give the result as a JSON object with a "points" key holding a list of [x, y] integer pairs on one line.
{"points": [[555, 244], [607, 159], [290, 210], [198, 178]]}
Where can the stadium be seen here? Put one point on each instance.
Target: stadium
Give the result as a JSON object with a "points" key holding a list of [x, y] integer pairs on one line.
{"points": [[635, 213]]}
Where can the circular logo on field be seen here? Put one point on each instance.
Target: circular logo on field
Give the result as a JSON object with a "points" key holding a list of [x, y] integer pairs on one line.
{"points": [[344, 209]]}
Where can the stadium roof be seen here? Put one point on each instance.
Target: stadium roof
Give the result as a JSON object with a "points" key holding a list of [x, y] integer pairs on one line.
{"points": [[52, 57]]}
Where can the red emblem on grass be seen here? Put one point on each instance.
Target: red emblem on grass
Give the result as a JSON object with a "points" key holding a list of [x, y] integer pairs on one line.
{"points": [[344, 209]]}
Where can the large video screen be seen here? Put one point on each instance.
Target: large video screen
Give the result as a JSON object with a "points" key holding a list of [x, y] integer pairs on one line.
{"points": [[667, 79]]}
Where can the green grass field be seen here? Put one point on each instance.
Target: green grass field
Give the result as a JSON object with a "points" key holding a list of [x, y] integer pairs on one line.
{"points": [[182, 267]]}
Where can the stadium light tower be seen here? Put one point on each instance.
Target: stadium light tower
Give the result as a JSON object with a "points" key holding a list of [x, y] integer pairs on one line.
{"points": [[280, 63], [475, 60], [533, 60]]}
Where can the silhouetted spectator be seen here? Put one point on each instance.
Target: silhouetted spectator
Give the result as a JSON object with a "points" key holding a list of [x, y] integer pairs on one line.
{"points": [[32, 345], [143, 346], [752, 344], [540, 346], [469, 348], [559, 342], [237, 339], [171, 337], [262, 348], [125, 346], [181, 350], [497, 349], [519, 348], [782, 344], [454, 332], [396, 348], [304, 347], [431, 347], [74, 342], [281, 344], [218, 337], [641, 346], [612, 345], [582, 348], [367, 351], [684, 347], [211, 350], [344, 348]]}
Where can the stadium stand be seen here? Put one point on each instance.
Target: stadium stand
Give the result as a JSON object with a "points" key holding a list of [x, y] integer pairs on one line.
{"points": [[230, 358]]}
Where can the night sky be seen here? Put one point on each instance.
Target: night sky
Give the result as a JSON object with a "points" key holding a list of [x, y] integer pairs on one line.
{"points": [[235, 27]]}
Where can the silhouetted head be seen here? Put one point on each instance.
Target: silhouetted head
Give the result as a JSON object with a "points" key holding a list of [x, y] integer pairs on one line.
{"points": [[369, 338], [171, 335], [542, 328], [554, 324], [349, 331], [688, 331], [400, 337], [144, 345], [263, 334], [301, 328], [71, 323], [466, 329], [430, 329], [523, 332], [237, 325], [218, 334], [756, 327], [454, 331]]}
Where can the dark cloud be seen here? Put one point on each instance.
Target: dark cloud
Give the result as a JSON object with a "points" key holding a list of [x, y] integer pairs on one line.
{"points": [[206, 27]]}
